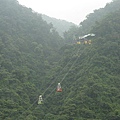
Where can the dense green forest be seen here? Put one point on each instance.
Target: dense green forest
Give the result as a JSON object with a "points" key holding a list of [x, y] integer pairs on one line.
{"points": [[60, 25], [34, 59]]}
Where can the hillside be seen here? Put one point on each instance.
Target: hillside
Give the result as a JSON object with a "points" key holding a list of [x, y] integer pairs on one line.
{"points": [[90, 77], [60, 25], [98, 15], [27, 49], [34, 59], [91, 20]]}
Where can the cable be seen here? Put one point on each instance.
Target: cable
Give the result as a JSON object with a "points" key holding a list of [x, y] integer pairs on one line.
{"points": [[65, 74], [53, 82], [70, 68]]}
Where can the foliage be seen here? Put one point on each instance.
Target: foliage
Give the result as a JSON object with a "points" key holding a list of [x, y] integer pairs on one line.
{"points": [[34, 58], [60, 25], [97, 16]]}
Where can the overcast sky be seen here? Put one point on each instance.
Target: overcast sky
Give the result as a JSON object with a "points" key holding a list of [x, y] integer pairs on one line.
{"points": [[70, 10]]}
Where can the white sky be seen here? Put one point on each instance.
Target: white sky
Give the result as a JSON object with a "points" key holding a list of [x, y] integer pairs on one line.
{"points": [[70, 10]]}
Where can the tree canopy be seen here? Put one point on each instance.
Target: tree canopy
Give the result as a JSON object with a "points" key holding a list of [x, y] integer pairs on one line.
{"points": [[34, 59]]}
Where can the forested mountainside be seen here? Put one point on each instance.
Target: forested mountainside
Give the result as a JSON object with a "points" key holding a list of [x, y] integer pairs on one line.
{"points": [[27, 49], [34, 58], [91, 20], [98, 15], [60, 25], [91, 88]]}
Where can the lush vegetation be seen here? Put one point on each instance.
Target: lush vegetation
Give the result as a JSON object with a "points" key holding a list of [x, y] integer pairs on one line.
{"points": [[27, 49], [34, 58], [60, 25]]}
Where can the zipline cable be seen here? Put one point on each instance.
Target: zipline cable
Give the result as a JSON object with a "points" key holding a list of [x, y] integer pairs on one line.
{"points": [[54, 81]]}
